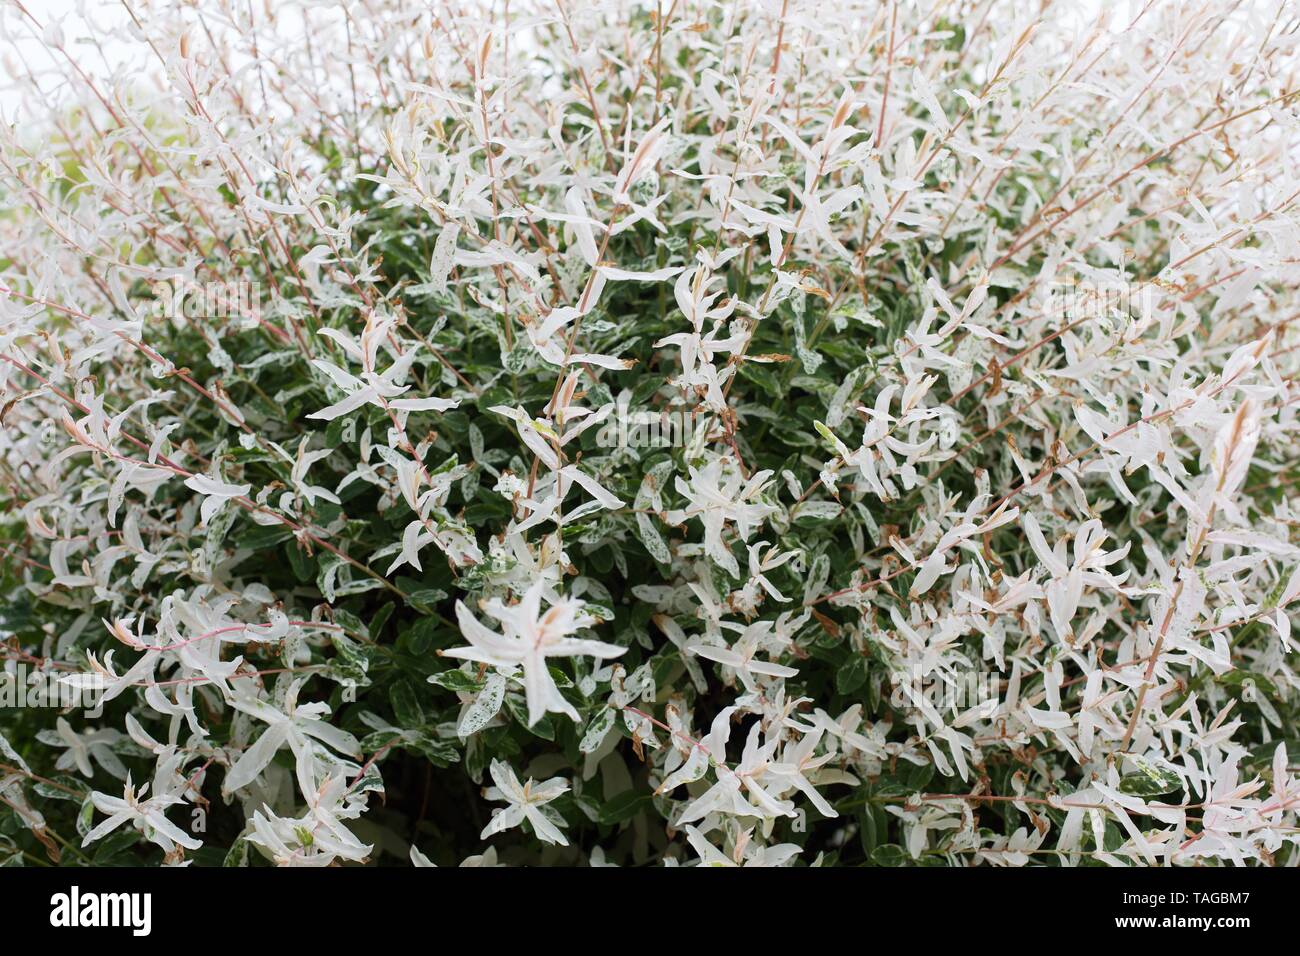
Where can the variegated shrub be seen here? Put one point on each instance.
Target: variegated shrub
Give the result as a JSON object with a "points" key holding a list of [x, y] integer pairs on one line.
{"points": [[787, 432]]}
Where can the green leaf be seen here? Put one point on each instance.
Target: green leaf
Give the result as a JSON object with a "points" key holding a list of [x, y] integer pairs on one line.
{"points": [[303, 566], [891, 854], [599, 726], [426, 598], [1248, 683], [918, 777], [85, 817], [218, 527], [867, 831], [457, 680], [350, 622], [852, 675], [62, 787], [544, 727], [1149, 780], [440, 753], [379, 619], [405, 706], [624, 807], [238, 855], [419, 638], [485, 707], [117, 842]]}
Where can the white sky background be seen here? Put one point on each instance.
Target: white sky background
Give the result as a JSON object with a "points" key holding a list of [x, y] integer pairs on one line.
{"points": [[84, 21], [21, 48]]}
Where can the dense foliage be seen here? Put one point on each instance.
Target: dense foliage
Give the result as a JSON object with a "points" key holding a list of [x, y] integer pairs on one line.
{"points": [[775, 433]]}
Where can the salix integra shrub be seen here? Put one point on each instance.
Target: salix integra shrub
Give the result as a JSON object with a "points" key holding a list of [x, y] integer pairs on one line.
{"points": [[333, 337]]}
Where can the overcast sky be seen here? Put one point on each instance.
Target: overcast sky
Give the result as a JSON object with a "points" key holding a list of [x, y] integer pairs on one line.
{"points": [[19, 43]]}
